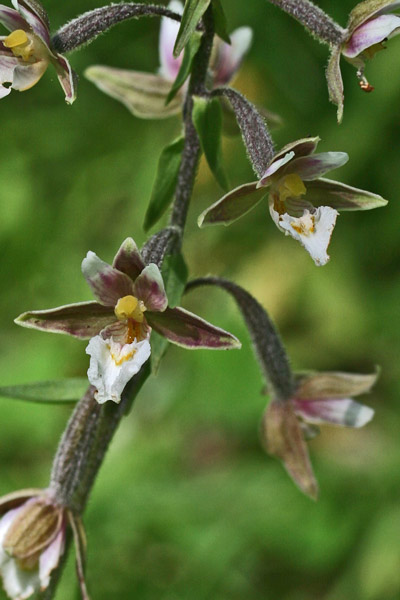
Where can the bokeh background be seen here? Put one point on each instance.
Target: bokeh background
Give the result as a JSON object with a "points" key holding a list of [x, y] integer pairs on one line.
{"points": [[187, 505]]}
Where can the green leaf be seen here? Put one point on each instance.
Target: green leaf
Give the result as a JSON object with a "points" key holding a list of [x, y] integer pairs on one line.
{"points": [[65, 391], [207, 118], [165, 182], [186, 65], [220, 23], [192, 13], [175, 274]]}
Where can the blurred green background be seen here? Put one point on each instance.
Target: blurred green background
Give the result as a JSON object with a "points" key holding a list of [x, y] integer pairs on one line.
{"points": [[187, 505]]}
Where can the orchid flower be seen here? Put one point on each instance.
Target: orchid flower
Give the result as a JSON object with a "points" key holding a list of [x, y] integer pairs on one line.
{"points": [[371, 23], [302, 203], [319, 398], [32, 541], [26, 52], [145, 94], [131, 301]]}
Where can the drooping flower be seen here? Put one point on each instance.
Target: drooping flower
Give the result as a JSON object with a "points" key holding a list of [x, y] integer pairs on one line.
{"points": [[302, 203], [27, 51], [32, 541], [319, 398], [131, 301], [371, 24], [145, 94]]}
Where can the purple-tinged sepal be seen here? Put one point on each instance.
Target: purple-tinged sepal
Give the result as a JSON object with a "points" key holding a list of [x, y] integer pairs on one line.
{"points": [[107, 283], [82, 319], [185, 329]]}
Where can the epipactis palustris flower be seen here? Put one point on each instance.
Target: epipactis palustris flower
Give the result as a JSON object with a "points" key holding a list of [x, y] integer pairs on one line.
{"points": [[32, 541], [319, 398], [131, 301], [145, 94], [27, 51], [371, 24], [302, 203]]}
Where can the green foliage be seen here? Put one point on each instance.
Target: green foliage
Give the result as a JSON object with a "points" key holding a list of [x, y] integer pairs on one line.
{"points": [[165, 182], [192, 13], [63, 391], [207, 118], [190, 52], [220, 21]]}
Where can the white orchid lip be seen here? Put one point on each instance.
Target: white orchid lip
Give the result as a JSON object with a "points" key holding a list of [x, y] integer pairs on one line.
{"points": [[113, 364], [313, 230]]}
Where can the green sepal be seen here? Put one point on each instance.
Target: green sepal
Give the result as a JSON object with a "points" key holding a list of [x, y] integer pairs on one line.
{"points": [[64, 391], [192, 13], [165, 182], [190, 52], [207, 118], [220, 23]]}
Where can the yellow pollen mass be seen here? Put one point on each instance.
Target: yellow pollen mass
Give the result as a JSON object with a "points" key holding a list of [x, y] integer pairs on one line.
{"points": [[129, 307], [291, 185], [20, 44]]}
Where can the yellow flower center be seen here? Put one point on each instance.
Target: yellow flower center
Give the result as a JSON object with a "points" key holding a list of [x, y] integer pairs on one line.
{"points": [[20, 43], [130, 307], [291, 185], [120, 358]]}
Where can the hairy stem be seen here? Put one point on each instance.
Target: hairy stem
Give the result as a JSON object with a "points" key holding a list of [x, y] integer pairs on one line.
{"points": [[191, 149], [88, 26], [314, 19]]}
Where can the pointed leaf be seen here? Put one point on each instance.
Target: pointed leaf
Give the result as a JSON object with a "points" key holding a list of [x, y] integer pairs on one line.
{"points": [[143, 94], [48, 392], [233, 205], [165, 182], [83, 319], [175, 274], [190, 52], [185, 329], [207, 118], [192, 13], [325, 192], [220, 23]]}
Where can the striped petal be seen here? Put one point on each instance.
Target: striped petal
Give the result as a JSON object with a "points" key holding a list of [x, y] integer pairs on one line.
{"points": [[316, 165], [149, 287], [11, 19], [341, 196], [185, 329], [335, 411], [107, 283], [128, 259], [370, 33]]}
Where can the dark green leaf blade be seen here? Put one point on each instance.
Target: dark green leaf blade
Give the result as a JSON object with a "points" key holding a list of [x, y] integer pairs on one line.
{"points": [[220, 22], [165, 182], [185, 68], [207, 118], [175, 274], [64, 391], [192, 13]]}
